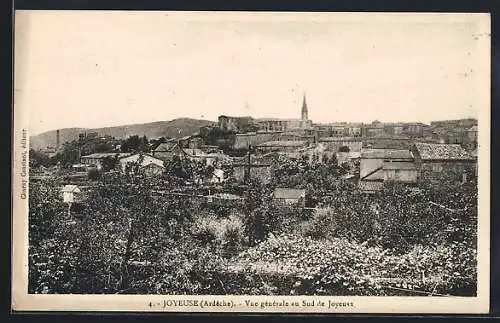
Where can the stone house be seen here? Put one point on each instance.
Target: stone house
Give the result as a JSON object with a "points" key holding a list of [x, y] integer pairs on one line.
{"points": [[380, 165], [167, 150], [97, 159], [143, 161], [443, 162], [335, 143], [400, 172], [236, 124], [281, 146]]}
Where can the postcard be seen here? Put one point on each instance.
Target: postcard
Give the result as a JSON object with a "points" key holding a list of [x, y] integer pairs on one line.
{"points": [[251, 162]]}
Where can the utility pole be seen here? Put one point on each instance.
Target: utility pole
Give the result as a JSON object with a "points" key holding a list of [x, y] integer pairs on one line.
{"points": [[79, 147], [247, 177]]}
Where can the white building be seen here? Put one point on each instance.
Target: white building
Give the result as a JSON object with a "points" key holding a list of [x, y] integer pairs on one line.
{"points": [[143, 160]]}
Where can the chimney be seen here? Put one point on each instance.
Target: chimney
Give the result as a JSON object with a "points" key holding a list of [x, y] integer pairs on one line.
{"points": [[58, 139]]}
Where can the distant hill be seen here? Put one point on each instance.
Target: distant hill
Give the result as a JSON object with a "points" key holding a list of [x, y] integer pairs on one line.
{"points": [[175, 128]]}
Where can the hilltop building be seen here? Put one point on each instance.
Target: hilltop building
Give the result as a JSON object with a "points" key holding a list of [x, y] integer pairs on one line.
{"points": [[248, 124], [281, 146], [237, 124], [277, 124]]}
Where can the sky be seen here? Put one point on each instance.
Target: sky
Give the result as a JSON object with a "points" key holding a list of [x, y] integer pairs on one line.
{"points": [[96, 69]]}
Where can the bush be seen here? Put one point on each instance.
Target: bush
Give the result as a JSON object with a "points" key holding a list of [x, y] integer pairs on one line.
{"points": [[225, 233], [398, 218], [337, 267], [128, 241], [319, 226], [93, 174]]}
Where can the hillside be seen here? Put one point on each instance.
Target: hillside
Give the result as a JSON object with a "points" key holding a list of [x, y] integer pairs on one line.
{"points": [[174, 128]]}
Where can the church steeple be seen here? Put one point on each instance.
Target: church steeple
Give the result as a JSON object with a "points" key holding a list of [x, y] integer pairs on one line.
{"points": [[304, 108]]}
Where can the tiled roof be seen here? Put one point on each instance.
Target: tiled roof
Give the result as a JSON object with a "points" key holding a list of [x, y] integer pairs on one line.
{"points": [[349, 155], [153, 165], [325, 139], [283, 143], [289, 193], [386, 154], [442, 152], [146, 159], [166, 146], [71, 188], [399, 166]]}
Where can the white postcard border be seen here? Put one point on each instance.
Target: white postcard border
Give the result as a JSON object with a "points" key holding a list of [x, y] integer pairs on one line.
{"points": [[21, 301]]}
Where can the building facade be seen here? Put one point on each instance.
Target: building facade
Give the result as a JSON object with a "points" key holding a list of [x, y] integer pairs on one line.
{"points": [[167, 150], [285, 146], [236, 124], [438, 163], [141, 160], [380, 165], [400, 172], [354, 144], [97, 159]]}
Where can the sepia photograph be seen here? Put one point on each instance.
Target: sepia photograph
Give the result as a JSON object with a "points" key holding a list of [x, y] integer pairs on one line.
{"points": [[243, 162]]}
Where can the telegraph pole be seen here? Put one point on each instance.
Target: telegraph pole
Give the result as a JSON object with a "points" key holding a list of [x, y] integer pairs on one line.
{"points": [[247, 177]]}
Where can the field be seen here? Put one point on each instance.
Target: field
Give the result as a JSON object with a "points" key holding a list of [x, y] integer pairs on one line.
{"points": [[124, 239]]}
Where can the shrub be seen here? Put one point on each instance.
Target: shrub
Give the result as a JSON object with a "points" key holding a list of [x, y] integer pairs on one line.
{"points": [[227, 233], [93, 174], [319, 225], [338, 267]]}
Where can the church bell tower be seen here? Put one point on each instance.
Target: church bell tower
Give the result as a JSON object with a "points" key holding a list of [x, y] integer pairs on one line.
{"points": [[304, 109]]}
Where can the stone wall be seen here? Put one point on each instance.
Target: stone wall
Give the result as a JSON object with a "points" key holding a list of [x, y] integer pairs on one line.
{"points": [[243, 140], [354, 145], [449, 171]]}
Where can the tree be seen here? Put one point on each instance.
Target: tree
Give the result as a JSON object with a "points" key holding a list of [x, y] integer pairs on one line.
{"points": [[39, 158], [69, 154], [103, 147], [93, 174], [344, 149], [109, 163], [144, 144], [135, 144]]}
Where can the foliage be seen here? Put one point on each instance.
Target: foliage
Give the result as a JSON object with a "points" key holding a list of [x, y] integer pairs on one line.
{"points": [[109, 163], [225, 233], [338, 267], [38, 158], [126, 239], [69, 154], [93, 174], [135, 144], [344, 149], [396, 219]]}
